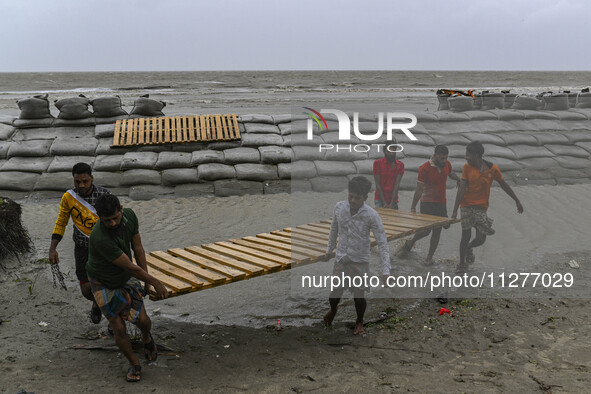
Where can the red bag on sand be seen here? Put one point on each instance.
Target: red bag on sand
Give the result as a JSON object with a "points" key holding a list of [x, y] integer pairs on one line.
{"points": [[444, 310]]}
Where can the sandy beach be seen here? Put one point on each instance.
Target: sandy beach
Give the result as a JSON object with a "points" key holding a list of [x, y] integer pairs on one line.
{"points": [[225, 339]]}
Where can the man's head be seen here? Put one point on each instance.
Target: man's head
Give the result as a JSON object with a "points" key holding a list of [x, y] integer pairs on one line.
{"points": [[83, 178], [109, 210], [440, 155], [359, 187], [474, 152], [390, 152]]}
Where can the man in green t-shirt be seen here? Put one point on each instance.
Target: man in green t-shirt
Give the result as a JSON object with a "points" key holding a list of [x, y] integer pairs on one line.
{"points": [[115, 279]]}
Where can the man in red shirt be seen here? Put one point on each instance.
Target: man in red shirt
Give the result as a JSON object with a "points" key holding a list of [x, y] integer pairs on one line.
{"points": [[431, 190], [473, 194], [387, 173]]}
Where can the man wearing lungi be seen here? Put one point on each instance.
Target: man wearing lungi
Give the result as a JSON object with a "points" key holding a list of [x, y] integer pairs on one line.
{"points": [[352, 222], [473, 195], [78, 203], [115, 279]]}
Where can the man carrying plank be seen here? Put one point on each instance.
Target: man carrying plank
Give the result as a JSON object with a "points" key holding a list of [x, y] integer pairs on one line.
{"points": [[114, 277], [473, 195], [353, 219], [431, 190]]}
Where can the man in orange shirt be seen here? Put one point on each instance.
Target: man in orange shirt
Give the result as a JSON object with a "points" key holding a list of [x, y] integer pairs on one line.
{"points": [[431, 190], [473, 194]]}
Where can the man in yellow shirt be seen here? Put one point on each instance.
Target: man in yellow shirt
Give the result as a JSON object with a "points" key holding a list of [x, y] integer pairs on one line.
{"points": [[78, 203]]}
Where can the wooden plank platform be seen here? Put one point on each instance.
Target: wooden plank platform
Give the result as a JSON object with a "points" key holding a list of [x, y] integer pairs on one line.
{"points": [[177, 129], [197, 268]]}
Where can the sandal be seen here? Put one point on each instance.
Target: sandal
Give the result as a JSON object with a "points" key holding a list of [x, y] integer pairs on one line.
{"points": [[95, 315], [134, 373], [151, 350]]}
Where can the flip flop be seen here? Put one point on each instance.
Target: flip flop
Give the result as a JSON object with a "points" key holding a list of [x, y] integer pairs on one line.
{"points": [[134, 373], [151, 350]]}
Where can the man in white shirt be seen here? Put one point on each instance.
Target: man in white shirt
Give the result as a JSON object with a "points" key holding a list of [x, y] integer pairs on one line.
{"points": [[352, 222]]}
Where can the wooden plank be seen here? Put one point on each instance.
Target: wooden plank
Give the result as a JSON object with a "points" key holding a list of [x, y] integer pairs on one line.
{"points": [[228, 119], [409, 215], [179, 129], [166, 121], [266, 264], [191, 122], [176, 272], [210, 276], [280, 245], [202, 128], [218, 127], [207, 128], [225, 260], [225, 130], [168, 281], [117, 134], [154, 297], [232, 273], [236, 128], [306, 233], [128, 132], [141, 122], [294, 242], [159, 131], [319, 230], [134, 127], [258, 247], [305, 238]]}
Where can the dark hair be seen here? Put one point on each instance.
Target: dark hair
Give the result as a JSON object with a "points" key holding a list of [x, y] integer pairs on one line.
{"points": [[475, 148], [441, 150], [360, 185], [81, 168], [107, 205]]}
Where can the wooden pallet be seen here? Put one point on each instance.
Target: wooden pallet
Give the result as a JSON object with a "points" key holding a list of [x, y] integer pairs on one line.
{"points": [[197, 268], [178, 129]]}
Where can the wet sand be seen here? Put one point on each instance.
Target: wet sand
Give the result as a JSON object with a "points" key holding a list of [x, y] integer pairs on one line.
{"points": [[227, 334]]}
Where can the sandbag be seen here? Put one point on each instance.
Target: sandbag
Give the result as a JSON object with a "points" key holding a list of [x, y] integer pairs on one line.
{"points": [[329, 183], [275, 154], [492, 101], [256, 140], [108, 163], [106, 107], [583, 100], [139, 160], [206, 156], [173, 160], [461, 103], [17, 180], [74, 147], [443, 103], [556, 102], [32, 148], [73, 108], [59, 181], [256, 172], [215, 171], [297, 170], [334, 168], [36, 107], [27, 164], [140, 177], [177, 176], [509, 99], [261, 128], [66, 163], [241, 155], [145, 106], [526, 102], [276, 187]]}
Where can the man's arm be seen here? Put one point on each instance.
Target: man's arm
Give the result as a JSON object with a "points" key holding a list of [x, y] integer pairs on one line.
{"points": [[459, 197], [395, 191], [507, 189], [141, 274], [332, 237], [454, 176], [140, 255], [417, 196], [59, 229], [377, 228], [377, 178]]}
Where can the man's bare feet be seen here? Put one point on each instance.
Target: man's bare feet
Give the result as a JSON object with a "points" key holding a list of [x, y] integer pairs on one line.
{"points": [[429, 261], [328, 318], [470, 256], [359, 328]]}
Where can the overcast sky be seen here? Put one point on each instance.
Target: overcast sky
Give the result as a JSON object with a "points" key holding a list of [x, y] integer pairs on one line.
{"points": [[134, 35]]}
